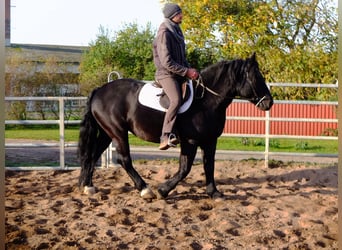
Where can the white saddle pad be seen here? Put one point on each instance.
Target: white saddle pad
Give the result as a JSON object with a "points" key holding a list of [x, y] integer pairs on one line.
{"points": [[148, 97]]}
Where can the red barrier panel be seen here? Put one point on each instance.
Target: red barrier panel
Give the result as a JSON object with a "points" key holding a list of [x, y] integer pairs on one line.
{"points": [[282, 110]]}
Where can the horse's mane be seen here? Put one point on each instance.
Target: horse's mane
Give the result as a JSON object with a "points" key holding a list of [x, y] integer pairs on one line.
{"points": [[215, 71]]}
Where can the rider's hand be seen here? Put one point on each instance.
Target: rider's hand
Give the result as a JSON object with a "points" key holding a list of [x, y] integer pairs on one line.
{"points": [[192, 73]]}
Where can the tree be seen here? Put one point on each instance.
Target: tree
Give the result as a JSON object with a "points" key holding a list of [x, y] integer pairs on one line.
{"points": [[133, 51], [129, 53], [232, 26], [295, 40], [96, 62]]}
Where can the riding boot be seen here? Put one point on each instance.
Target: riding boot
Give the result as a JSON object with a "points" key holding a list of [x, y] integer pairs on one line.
{"points": [[164, 142]]}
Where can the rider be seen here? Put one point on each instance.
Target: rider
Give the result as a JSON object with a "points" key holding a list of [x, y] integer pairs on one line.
{"points": [[172, 68]]}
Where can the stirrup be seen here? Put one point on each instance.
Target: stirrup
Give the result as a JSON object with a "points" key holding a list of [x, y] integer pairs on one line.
{"points": [[172, 140]]}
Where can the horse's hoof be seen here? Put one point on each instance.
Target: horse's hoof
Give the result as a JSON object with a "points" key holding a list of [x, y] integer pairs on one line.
{"points": [[218, 196], [219, 199], [162, 194], [89, 190], [147, 194]]}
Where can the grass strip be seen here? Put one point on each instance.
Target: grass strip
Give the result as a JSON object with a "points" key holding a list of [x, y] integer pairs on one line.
{"points": [[224, 143]]}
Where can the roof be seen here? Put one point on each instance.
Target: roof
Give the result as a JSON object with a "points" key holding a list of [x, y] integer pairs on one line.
{"points": [[39, 52]]}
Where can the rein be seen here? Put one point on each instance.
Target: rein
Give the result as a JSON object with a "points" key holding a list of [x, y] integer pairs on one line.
{"points": [[199, 82]]}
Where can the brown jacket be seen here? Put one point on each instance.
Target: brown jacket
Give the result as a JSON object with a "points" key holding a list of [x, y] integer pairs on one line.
{"points": [[169, 55]]}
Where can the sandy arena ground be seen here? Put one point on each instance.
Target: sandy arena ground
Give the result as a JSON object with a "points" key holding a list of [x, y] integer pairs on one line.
{"points": [[290, 206]]}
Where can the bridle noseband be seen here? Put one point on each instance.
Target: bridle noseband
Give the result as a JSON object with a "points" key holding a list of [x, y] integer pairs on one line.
{"points": [[256, 98]]}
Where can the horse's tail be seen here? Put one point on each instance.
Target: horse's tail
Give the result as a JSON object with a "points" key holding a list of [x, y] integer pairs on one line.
{"points": [[87, 143]]}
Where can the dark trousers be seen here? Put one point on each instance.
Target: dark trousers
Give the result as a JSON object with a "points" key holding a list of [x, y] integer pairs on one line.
{"points": [[173, 90]]}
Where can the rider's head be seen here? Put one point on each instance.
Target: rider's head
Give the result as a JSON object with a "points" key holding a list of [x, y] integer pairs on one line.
{"points": [[171, 10]]}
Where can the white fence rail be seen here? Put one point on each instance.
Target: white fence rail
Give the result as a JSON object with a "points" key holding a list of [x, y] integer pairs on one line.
{"points": [[61, 123], [107, 157]]}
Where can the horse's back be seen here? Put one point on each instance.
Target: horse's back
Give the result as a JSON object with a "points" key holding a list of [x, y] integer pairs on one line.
{"points": [[115, 99], [118, 89]]}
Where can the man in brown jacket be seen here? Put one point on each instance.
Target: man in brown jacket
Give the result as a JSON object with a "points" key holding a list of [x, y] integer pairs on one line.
{"points": [[172, 68]]}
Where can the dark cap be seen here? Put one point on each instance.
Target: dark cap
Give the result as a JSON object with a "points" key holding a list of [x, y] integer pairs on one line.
{"points": [[170, 10]]}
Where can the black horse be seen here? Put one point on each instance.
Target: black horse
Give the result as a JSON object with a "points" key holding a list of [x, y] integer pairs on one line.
{"points": [[113, 110]]}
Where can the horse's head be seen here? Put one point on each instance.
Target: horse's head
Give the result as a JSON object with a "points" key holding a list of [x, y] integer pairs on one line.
{"points": [[253, 86]]}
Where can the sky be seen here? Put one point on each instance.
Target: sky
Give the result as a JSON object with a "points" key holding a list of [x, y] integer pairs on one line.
{"points": [[77, 22]]}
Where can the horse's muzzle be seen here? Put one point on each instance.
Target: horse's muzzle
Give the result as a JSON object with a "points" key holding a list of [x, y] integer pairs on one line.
{"points": [[265, 103]]}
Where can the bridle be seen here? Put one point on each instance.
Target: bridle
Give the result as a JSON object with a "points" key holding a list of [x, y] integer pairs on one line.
{"points": [[200, 83], [257, 99]]}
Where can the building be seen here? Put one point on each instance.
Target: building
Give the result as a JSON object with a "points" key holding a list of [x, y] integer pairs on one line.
{"points": [[25, 63], [69, 57], [37, 53]]}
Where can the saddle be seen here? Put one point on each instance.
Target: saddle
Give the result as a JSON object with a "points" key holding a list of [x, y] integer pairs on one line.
{"points": [[152, 95], [164, 100]]}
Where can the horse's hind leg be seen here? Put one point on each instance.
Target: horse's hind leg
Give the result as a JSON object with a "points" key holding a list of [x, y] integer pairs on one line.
{"points": [[125, 160], [99, 146], [186, 159]]}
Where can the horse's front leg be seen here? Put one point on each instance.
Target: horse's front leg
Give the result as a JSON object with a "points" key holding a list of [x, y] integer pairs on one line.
{"points": [[208, 154], [186, 159]]}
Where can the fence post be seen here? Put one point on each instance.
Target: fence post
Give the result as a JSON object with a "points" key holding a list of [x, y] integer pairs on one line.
{"points": [[61, 132], [107, 156], [267, 137]]}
